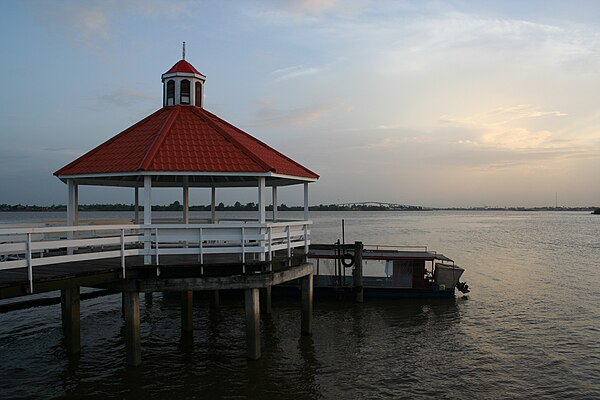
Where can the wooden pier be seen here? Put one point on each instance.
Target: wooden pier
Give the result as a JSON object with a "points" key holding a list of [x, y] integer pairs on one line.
{"points": [[229, 263], [179, 146]]}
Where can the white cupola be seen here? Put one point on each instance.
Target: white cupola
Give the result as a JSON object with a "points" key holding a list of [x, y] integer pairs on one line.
{"points": [[183, 85]]}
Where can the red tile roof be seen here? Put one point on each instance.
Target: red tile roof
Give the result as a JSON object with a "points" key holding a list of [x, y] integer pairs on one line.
{"points": [[183, 66], [184, 139]]}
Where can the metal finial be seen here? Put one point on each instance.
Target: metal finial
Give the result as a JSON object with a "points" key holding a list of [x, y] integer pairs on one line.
{"points": [[183, 50]]}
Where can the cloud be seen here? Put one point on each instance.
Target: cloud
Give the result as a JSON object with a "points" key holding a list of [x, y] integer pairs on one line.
{"points": [[389, 143], [268, 116], [175, 9], [124, 96], [317, 7], [305, 11], [293, 72], [90, 23], [84, 23], [506, 127]]}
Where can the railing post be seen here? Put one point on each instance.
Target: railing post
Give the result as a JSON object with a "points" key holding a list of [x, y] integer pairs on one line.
{"points": [[123, 251], [305, 240], [243, 247], [270, 244], [147, 246], [289, 244], [201, 256], [156, 246], [29, 266]]}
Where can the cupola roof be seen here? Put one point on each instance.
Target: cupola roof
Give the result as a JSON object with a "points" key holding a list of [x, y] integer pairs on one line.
{"points": [[183, 66]]}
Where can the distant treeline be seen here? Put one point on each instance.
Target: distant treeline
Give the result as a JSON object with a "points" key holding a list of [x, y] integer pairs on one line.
{"points": [[177, 206]]}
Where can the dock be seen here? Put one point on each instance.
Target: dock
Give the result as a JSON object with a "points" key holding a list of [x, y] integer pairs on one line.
{"points": [[159, 258]]}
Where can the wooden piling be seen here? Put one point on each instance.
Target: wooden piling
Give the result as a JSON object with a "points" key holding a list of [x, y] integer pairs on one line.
{"points": [[307, 304], [70, 310], [252, 323], [214, 300], [358, 271], [265, 300], [187, 309], [133, 349]]}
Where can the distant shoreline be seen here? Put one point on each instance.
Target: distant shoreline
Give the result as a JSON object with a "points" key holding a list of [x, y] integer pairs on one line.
{"points": [[176, 206]]}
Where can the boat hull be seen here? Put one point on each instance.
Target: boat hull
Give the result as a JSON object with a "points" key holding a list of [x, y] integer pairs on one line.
{"points": [[368, 292]]}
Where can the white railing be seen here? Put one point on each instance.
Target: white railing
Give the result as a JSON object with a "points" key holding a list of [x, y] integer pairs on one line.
{"points": [[34, 247]]}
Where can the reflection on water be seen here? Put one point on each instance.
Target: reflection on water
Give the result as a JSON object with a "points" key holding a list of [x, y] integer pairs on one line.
{"points": [[528, 329]]}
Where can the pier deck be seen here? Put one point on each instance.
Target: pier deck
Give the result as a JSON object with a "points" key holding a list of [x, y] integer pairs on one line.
{"points": [[108, 272], [158, 257]]}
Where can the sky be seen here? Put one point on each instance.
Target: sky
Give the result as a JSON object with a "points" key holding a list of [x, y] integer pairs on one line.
{"points": [[433, 103]]}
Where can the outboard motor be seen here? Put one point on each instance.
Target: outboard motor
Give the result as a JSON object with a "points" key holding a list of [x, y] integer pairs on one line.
{"points": [[463, 287]]}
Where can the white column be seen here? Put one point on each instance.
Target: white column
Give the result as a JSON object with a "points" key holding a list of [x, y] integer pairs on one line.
{"points": [[147, 200], [306, 201], [76, 207], [72, 206], [261, 200], [213, 205], [147, 217], [136, 206], [262, 217], [186, 200], [71, 187], [274, 203]]}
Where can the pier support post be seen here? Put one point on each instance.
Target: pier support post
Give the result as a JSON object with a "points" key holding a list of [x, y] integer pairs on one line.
{"points": [[214, 299], [70, 310], [252, 323], [187, 308], [133, 347], [358, 271], [265, 300], [307, 304]]}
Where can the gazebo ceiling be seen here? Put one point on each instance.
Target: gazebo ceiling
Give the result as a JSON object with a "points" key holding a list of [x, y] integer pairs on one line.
{"points": [[193, 180]]}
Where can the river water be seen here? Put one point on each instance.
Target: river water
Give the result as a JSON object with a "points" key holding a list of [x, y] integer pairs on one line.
{"points": [[530, 328]]}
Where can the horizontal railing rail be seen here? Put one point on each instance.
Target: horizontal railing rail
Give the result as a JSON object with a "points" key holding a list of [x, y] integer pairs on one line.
{"points": [[37, 246]]}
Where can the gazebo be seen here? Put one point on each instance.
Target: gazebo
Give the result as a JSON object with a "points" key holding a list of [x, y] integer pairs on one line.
{"points": [[182, 145], [179, 146]]}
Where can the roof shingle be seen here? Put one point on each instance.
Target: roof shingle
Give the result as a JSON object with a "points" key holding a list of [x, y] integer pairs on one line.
{"points": [[184, 139]]}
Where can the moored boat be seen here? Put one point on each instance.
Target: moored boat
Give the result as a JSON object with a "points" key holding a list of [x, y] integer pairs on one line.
{"points": [[387, 271]]}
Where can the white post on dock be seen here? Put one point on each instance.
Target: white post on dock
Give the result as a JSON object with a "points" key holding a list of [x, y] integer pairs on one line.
{"points": [[213, 205], [186, 200], [261, 200], [72, 207], [306, 216], [274, 189], [147, 218], [262, 217], [136, 206]]}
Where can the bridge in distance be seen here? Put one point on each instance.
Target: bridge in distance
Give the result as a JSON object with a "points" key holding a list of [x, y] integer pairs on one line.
{"points": [[391, 206]]}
